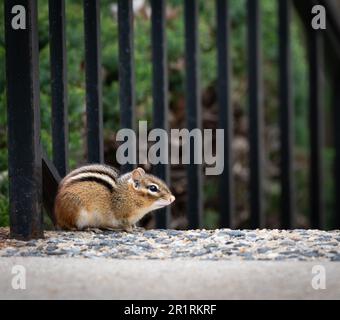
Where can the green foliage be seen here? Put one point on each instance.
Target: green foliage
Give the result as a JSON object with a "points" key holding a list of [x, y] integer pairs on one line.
{"points": [[211, 219]]}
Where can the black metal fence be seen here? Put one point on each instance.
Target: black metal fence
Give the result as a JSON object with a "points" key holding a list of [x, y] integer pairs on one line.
{"points": [[33, 178]]}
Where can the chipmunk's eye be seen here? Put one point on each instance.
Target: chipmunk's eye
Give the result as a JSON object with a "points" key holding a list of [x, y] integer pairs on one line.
{"points": [[153, 188]]}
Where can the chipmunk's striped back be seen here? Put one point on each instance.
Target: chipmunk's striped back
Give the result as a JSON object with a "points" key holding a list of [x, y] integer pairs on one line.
{"points": [[102, 174]]}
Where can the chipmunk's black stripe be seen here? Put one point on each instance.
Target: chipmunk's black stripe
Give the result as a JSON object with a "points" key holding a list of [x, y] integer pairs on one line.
{"points": [[98, 171], [94, 179], [111, 175]]}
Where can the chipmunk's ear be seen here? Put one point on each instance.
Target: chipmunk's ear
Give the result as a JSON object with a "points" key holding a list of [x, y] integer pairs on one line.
{"points": [[137, 174]]}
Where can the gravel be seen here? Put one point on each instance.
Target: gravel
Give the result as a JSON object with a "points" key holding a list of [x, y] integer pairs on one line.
{"points": [[219, 244]]}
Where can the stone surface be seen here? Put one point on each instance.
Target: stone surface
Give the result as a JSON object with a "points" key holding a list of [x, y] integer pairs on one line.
{"points": [[219, 244]]}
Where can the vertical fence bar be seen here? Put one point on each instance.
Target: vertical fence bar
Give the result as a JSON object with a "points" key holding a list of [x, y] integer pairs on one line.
{"points": [[225, 111], [24, 163], [286, 116], [315, 59], [193, 105], [94, 110], [160, 91], [255, 115], [336, 119], [58, 85], [126, 68]]}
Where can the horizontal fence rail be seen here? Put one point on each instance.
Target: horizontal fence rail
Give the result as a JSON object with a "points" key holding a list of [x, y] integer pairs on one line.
{"points": [[33, 178]]}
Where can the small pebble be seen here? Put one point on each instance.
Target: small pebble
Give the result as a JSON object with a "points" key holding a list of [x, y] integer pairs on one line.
{"points": [[236, 233], [263, 250], [335, 257]]}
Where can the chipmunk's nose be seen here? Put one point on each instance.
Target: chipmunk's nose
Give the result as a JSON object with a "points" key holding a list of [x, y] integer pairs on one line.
{"points": [[172, 199]]}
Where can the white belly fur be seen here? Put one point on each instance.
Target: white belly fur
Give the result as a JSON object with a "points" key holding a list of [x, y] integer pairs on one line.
{"points": [[94, 219]]}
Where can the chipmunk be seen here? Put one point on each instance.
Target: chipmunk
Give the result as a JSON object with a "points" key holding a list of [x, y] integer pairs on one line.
{"points": [[96, 196]]}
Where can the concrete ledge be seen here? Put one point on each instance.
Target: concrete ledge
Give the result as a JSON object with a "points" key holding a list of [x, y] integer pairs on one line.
{"points": [[76, 278]]}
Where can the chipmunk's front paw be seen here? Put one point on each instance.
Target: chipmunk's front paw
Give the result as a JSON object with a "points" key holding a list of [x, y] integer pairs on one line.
{"points": [[128, 228], [135, 228], [95, 230]]}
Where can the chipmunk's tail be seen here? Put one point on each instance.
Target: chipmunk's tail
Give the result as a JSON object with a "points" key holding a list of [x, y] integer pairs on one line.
{"points": [[51, 179]]}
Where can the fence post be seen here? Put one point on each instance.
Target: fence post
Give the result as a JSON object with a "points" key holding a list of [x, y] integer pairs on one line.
{"points": [[160, 92], [255, 115], [226, 185], [126, 69], [25, 165], [336, 121], [315, 60], [286, 116], [58, 85], [94, 109], [193, 109]]}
